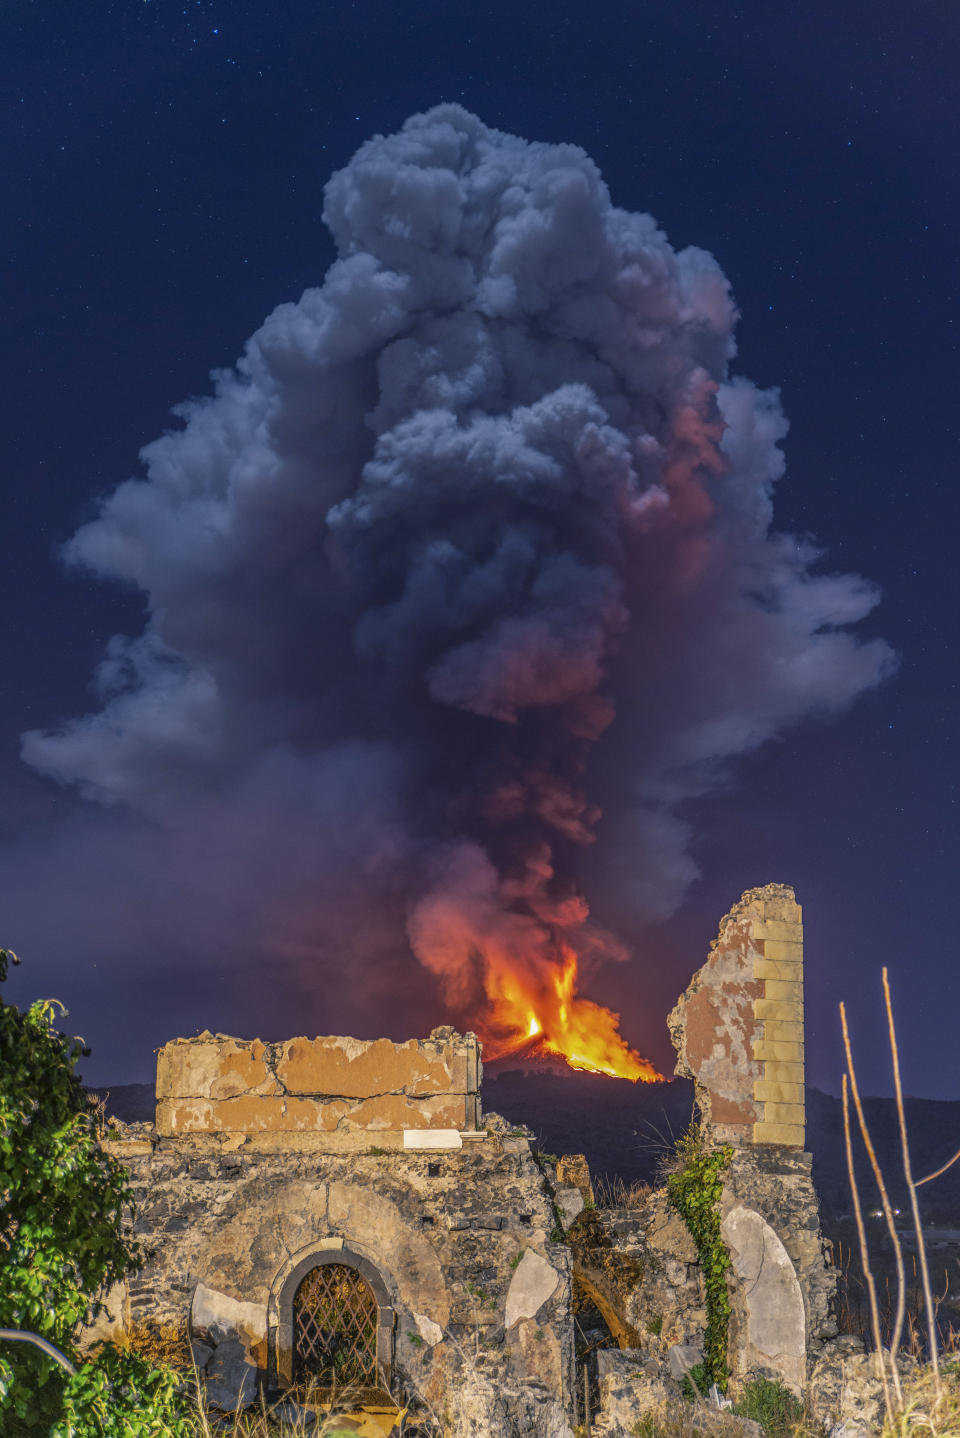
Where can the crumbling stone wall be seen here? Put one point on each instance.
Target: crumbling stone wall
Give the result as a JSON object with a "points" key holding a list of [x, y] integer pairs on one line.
{"points": [[267, 1159], [339, 1086], [738, 1032], [453, 1226], [642, 1265], [738, 1028]]}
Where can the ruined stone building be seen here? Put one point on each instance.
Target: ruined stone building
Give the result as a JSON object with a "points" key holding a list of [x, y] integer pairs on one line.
{"points": [[346, 1209]]}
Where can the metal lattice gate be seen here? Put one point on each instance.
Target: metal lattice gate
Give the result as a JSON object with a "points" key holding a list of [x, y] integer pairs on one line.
{"points": [[335, 1330]]}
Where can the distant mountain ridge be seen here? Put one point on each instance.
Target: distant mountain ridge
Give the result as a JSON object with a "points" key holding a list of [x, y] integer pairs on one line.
{"points": [[623, 1128]]}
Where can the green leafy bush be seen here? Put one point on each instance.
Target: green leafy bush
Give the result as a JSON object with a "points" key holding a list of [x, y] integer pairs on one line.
{"points": [[62, 1206], [696, 1383], [778, 1411]]}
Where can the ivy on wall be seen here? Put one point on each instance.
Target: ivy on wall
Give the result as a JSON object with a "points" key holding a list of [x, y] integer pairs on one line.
{"points": [[694, 1191]]}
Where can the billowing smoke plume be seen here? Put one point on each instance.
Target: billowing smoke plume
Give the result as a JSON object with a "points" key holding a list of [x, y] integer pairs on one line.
{"points": [[484, 523]]}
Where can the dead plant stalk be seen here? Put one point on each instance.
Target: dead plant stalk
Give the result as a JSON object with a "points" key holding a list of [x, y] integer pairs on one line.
{"points": [[864, 1251], [912, 1189], [897, 1330]]}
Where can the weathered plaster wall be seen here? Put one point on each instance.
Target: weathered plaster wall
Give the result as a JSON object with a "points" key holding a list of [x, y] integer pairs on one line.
{"points": [[738, 1032], [336, 1085], [461, 1238], [738, 1028]]}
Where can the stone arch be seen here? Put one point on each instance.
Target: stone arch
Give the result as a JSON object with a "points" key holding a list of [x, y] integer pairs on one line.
{"points": [[608, 1305], [280, 1359]]}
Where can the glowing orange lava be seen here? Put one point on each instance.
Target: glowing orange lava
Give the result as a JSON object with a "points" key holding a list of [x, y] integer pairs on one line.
{"points": [[547, 1017]]}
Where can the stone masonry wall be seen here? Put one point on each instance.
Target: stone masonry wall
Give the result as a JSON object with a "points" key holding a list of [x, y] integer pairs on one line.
{"points": [[462, 1238], [342, 1088], [738, 1032], [738, 1028]]}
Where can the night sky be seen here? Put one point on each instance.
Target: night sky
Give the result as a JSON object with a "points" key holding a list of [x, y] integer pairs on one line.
{"points": [[162, 190]]}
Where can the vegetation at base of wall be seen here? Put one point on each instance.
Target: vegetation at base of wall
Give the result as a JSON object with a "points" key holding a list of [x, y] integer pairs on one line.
{"points": [[778, 1411], [158, 1344], [781, 1415], [62, 1240], [680, 1420], [694, 1190], [695, 1383], [611, 1191]]}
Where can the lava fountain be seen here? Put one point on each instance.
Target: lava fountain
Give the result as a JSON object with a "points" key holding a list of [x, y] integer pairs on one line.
{"points": [[549, 1019]]}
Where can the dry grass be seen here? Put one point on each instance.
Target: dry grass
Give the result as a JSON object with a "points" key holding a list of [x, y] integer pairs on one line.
{"points": [[614, 1192], [168, 1343], [262, 1420], [688, 1420], [931, 1406], [158, 1343], [895, 1406]]}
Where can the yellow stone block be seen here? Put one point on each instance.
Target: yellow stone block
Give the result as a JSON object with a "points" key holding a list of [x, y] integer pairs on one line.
{"points": [[774, 1072], [768, 1090], [778, 949], [790, 1009], [783, 989], [788, 911], [792, 1113], [776, 929], [786, 1133], [789, 1029], [788, 969], [778, 1049]]}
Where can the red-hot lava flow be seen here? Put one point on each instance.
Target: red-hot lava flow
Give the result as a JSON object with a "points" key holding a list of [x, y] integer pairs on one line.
{"points": [[548, 1018]]}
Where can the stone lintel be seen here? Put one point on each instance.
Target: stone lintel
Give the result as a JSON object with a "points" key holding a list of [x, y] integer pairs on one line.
{"points": [[432, 1138], [126, 1147]]}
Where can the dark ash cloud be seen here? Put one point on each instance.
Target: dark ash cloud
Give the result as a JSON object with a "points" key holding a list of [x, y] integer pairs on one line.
{"points": [[476, 531]]}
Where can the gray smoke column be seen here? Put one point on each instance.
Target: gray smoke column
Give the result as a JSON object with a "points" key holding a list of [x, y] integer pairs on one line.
{"points": [[482, 509]]}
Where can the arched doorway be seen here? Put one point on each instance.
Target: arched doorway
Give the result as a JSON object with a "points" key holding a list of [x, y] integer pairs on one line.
{"points": [[591, 1332], [334, 1329], [335, 1320]]}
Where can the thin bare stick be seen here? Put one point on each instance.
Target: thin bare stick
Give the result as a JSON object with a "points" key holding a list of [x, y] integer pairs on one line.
{"points": [[864, 1254], [912, 1189], [949, 1164], [887, 1212]]}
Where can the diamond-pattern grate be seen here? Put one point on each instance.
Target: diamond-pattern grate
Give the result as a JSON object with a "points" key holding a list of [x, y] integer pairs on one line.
{"points": [[335, 1328]]}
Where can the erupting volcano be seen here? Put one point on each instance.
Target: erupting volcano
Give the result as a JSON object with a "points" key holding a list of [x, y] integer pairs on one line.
{"points": [[560, 1025], [460, 588]]}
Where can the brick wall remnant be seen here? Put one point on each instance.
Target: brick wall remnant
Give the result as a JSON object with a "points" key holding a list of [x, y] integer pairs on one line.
{"points": [[334, 1088], [738, 1028]]}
